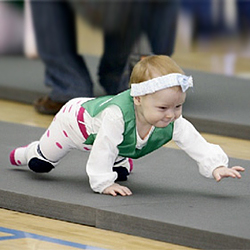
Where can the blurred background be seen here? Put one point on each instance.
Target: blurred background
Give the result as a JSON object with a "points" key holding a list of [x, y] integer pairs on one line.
{"points": [[212, 35]]}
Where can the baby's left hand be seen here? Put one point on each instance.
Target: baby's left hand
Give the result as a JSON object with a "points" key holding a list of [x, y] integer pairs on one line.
{"points": [[222, 172]]}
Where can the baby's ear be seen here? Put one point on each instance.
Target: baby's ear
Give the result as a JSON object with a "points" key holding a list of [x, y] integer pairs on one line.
{"points": [[137, 100]]}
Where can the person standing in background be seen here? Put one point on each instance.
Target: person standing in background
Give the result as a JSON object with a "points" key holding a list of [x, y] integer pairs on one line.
{"points": [[66, 72]]}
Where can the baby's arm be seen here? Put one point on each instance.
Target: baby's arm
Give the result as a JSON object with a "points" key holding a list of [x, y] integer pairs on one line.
{"points": [[115, 189], [211, 159], [222, 172], [104, 153]]}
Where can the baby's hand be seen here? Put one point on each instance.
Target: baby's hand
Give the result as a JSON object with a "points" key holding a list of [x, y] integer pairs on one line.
{"points": [[115, 189], [222, 172]]}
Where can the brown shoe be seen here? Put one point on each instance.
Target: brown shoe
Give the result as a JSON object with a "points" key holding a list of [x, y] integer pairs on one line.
{"points": [[45, 105]]}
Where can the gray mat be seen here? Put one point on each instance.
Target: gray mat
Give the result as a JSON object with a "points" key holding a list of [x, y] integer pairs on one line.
{"points": [[171, 202], [219, 104]]}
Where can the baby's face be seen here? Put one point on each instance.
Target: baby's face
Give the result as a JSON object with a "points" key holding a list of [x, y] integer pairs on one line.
{"points": [[162, 107]]}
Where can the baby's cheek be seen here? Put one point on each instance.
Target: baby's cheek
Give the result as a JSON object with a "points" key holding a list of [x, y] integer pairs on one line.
{"points": [[178, 114]]}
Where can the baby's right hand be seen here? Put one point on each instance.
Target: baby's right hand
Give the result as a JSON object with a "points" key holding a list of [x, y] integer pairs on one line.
{"points": [[115, 189]]}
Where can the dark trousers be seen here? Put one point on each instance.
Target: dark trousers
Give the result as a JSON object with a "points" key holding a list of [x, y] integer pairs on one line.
{"points": [[66, 72]]}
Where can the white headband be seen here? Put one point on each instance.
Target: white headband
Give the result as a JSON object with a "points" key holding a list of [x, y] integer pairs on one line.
{"points": [[162, 82]]}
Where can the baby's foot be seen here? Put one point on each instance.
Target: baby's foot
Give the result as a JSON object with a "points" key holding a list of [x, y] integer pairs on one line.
{"points": [[29, 155], [19, 156]]}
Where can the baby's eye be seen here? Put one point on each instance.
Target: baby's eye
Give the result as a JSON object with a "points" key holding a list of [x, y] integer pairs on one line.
{"points": [[162, 108], [179, 106]]}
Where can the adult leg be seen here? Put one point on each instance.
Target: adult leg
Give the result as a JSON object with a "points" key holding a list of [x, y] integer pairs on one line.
{"points": [[160, 25], [118, 45], [113, 62], [65, 71]]}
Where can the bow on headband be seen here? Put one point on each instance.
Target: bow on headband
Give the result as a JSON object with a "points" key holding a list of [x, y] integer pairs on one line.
{"points": [[185, 82], [162, 82]]}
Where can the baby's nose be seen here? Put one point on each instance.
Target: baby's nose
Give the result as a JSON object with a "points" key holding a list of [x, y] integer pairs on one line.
{"points": [[170, 114]]}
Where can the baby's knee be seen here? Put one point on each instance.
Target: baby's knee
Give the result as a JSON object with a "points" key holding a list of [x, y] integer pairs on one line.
{"points": [[40, 166], [122, 173]]}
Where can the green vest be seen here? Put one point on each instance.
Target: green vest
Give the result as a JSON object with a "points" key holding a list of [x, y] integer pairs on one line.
{"points": [[127, 147]]}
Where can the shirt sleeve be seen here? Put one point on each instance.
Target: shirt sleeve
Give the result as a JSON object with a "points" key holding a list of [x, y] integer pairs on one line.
{"points": [[207, 155], [104, 150]]}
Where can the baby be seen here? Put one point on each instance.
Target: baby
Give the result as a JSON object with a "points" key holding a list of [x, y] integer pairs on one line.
{"points": [[117, 129]]}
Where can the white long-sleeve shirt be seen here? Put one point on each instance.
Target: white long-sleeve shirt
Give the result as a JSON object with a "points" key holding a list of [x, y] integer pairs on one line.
{"points": [[109, 127]]}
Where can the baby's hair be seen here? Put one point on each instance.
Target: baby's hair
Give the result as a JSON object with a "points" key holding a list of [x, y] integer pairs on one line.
{"points": [[153, 66]]}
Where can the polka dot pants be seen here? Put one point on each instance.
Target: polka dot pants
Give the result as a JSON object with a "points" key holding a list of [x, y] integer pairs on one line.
{"points": [[63, 134]]}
